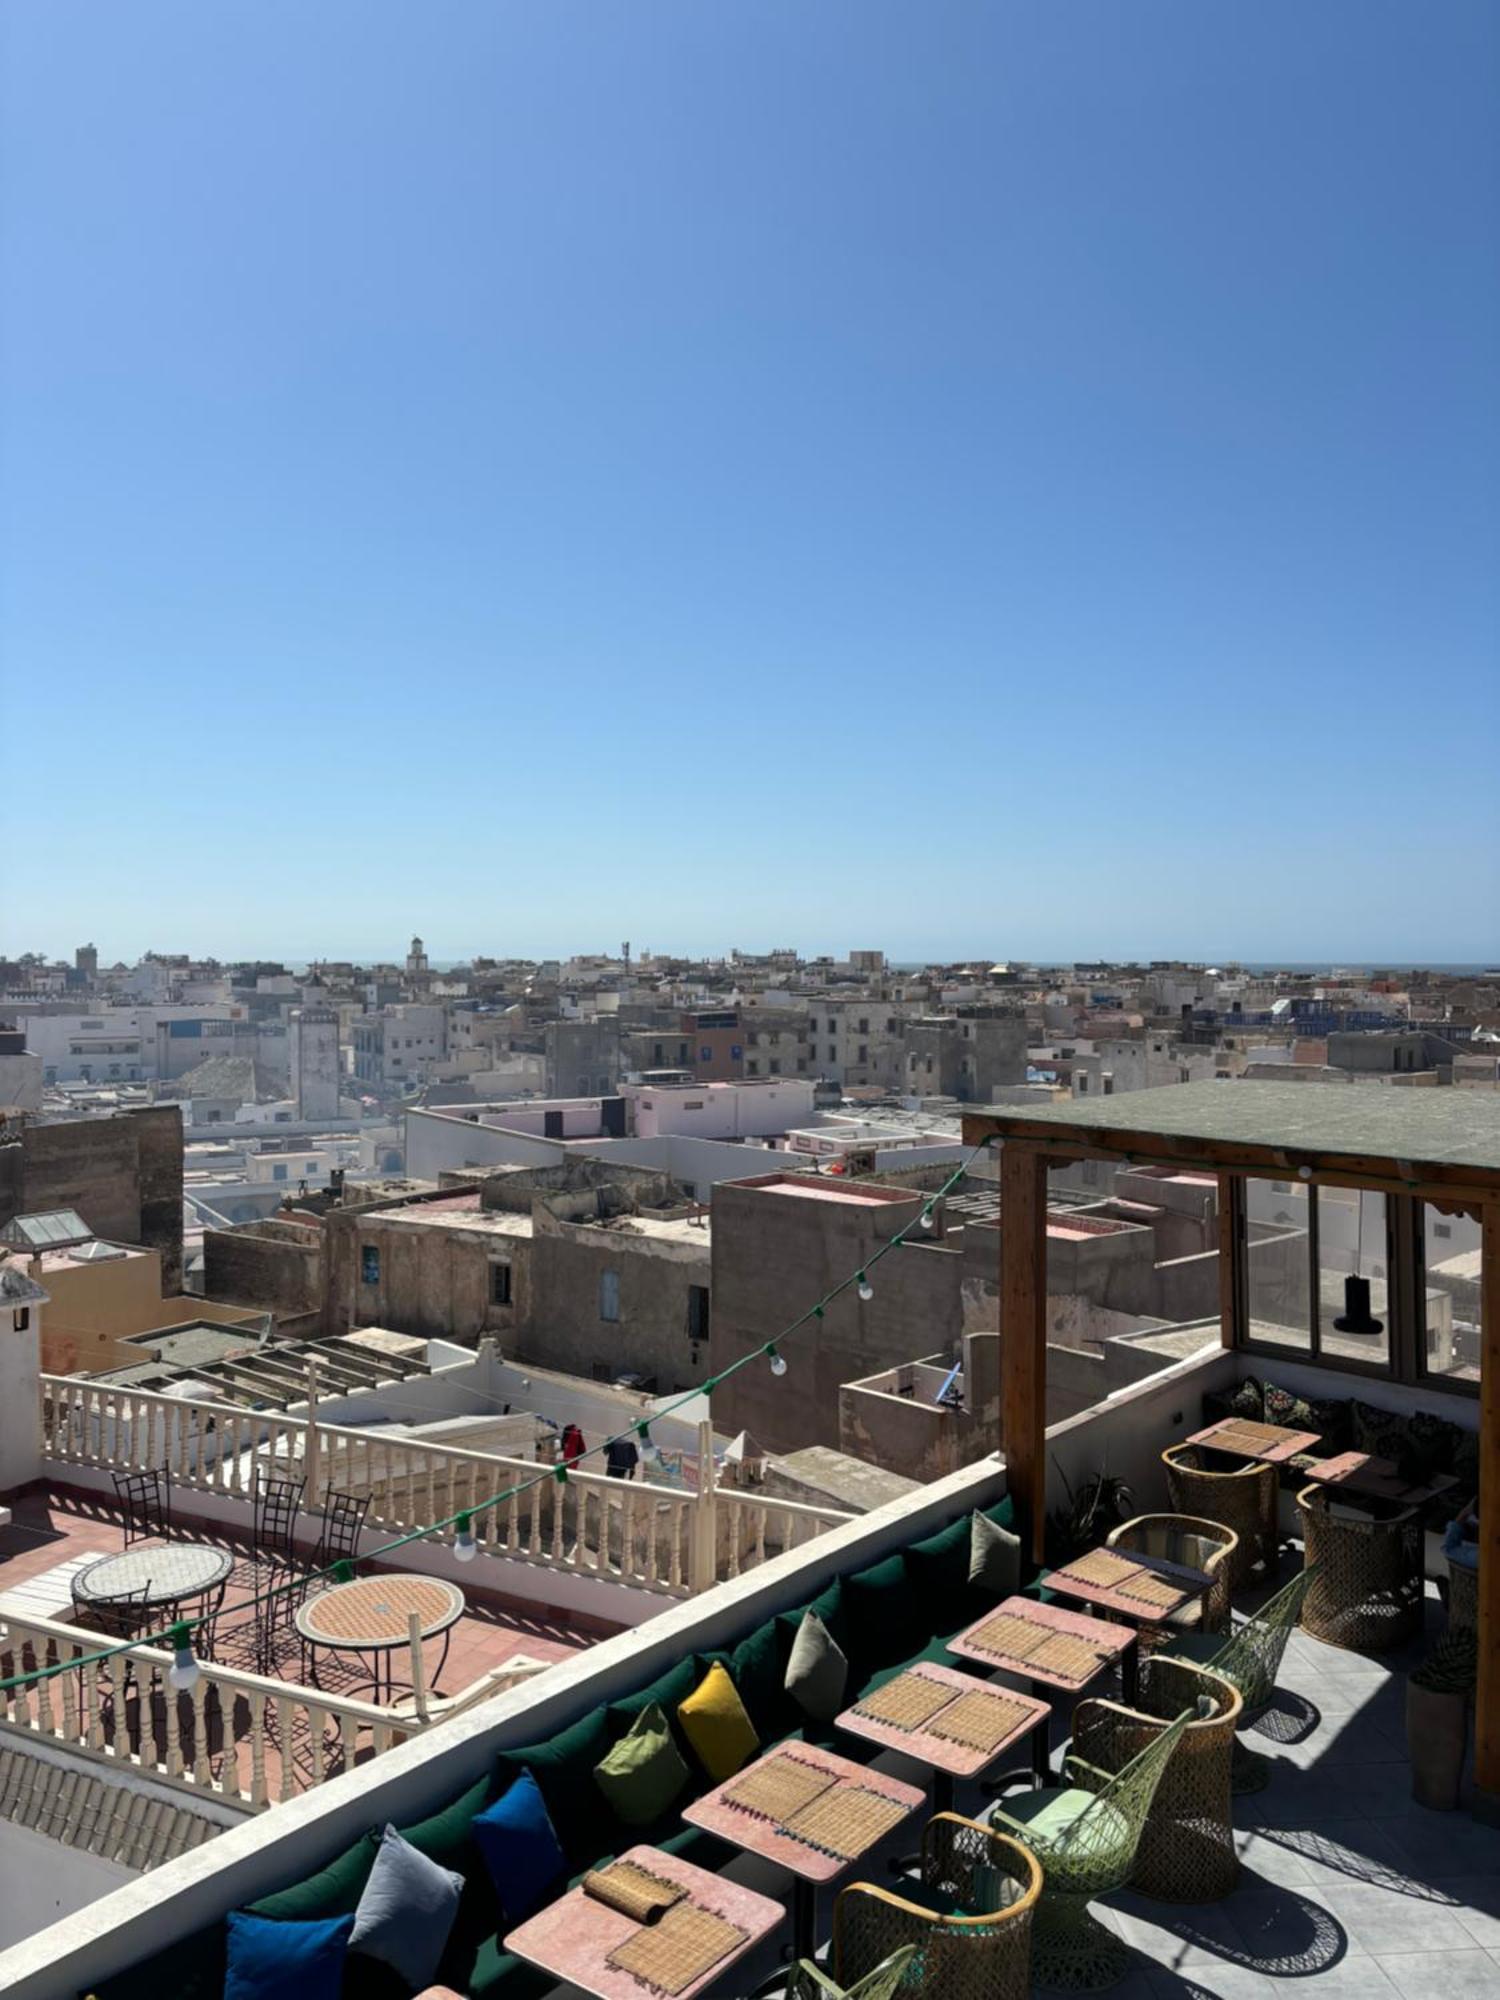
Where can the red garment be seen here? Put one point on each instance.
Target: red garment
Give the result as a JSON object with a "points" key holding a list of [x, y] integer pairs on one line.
{"points": [[573, 1446]]}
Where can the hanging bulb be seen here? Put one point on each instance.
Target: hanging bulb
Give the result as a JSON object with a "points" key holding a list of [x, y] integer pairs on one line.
{"points": [[777, 1361], [866, 1289], [926, 1217], [464, 1546], [183, 1672], [650, 1450], [1304, 1173]]}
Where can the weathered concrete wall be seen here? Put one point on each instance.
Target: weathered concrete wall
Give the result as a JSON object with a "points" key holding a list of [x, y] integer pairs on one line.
{"points": [[274, 1267], [123, 1175], [773, 1255], [437, 1282], [650, 1337]]}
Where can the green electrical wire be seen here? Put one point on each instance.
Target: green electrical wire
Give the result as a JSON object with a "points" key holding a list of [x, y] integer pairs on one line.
{"points": [[343, 1572]]}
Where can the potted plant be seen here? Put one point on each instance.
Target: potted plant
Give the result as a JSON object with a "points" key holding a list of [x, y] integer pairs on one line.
{"points": [[1099, 1505], [1437, 1718]]}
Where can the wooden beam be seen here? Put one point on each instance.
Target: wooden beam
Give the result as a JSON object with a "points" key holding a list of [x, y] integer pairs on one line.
{"points": [[1023, 1338], [1228, 1262], [1487, 1701]]}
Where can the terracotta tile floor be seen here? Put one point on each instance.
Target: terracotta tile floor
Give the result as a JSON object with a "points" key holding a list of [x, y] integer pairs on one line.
{"points": [[54, 1526]]}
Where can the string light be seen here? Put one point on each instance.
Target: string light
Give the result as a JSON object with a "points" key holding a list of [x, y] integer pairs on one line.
{"points": [[464, 1545], [650, 1450], [866, 1289], [342, 1571], [183, 1672]]}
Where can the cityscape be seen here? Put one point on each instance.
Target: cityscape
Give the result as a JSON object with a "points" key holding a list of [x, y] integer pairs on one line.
{"points": [[749, 1000]]}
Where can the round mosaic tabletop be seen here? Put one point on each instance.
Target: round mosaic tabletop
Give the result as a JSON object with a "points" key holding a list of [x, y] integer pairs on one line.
{"points": [[166, 1571], [372, 1612]]}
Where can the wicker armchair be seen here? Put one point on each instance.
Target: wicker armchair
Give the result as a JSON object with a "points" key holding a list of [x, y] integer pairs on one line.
{"points": [[1250, 1659], [1244, 1499], [1180, 1538], [985, 1955], [1367, 1594], [1085, 1834], [1186, 1852], [810, 1982]]}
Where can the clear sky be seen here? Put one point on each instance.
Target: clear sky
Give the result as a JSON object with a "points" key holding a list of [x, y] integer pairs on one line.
{"points": [[947, 477]]}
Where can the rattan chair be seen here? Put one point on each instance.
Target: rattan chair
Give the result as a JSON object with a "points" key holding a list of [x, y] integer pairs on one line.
{"points": [[1186, 1852], [1367, 1594], [1243, 1498], [1085, 1834], [1203, 1545], [145, 1500], [808, 1981], [984, 1954], [1463, 1595], [1250, 1659]]}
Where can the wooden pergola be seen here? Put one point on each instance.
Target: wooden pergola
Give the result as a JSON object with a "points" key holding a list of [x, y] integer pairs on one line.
{"points": [[1439, 1146]]}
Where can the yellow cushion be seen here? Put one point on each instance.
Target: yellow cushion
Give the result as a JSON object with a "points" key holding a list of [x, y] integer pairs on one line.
{"points": [[714, 1722]]}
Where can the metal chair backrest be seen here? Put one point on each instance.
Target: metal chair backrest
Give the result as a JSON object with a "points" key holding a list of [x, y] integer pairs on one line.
{"points": [[1252, 1657], [146, 1502], [277, 1504], [1129, 1791], [343, 1519], [122, 1616]]}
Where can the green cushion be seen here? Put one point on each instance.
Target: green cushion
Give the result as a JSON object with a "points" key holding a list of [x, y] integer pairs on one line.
{"points": [[644, 1774], [1050, 1814], [564, 1770], [191, 1969], [757, 1666], [817, 1674], [1201, 1647], [1003, 1513], [333, 1892], [882, 1616], [493, 1973], [666, 1692], [994, 1558], [937, 1571]]}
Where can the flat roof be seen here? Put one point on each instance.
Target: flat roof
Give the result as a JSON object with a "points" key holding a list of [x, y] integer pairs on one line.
{"points": [[1438, 1127]]}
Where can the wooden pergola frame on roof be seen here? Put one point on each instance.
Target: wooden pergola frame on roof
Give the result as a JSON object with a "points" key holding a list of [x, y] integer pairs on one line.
{"points": [[1238, 1131]]}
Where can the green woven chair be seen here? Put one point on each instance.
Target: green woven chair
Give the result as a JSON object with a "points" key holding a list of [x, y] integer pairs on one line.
{"points": [[1250, 1659], [1085, 1834], [811, 1982]]}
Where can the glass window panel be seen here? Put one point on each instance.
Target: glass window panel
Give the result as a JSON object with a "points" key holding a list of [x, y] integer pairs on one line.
{"points": [[1278, 1264], [1353, 1270], [1453, 1277]]}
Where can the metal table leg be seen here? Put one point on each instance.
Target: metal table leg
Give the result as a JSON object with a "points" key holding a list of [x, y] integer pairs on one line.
{"points": [[804, 1918]]}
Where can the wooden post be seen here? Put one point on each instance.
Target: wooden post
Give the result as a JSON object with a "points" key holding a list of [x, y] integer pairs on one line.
{"points": [[1228, 1274], [311, 1455], [1487, 1695], [1023, 1337], [418, 1682], [705, 1530]]}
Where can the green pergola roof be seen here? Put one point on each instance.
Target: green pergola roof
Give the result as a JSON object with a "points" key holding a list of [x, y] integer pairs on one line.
{"points": [[1425, 1126]]}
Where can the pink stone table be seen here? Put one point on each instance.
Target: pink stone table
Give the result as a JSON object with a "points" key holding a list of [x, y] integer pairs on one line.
{"points": [[950, 1760]]}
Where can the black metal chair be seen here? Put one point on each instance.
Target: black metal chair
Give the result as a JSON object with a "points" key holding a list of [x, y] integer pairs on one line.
{"points": [[203, 1610], [343, 1522], [277, 1507], [115, 1619], [145, 1500]]}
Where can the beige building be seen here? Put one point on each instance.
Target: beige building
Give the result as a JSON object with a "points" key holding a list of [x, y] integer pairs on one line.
{"points": [[103, 1294]]}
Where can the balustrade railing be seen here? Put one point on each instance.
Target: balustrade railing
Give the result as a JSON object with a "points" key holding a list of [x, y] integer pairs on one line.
{"points": [[238, 1735]]}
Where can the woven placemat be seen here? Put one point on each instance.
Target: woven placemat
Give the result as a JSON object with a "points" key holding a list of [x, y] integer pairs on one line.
{"points": [[846, 1821], [1062, 1653], [906, 1702], [633, 1891], [981, 1720], [1159, 1592], [776, 1787], [1241, 1433], [672, 1954], [1100, 1566]]}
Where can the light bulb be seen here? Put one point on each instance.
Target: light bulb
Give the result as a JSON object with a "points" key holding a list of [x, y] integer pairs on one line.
{"points": [[778, 1361], [1304, 1173], [927, 1218], [465, 1548], [183, 1672], [866, 1289]]}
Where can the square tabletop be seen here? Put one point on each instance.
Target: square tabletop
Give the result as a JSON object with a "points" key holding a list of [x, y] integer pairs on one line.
{"points": [[1359, 1473], [1147, 1588], [757, 1832], [1044, 1642], [574, 1938], [1269, 1444], [960, 1740]]}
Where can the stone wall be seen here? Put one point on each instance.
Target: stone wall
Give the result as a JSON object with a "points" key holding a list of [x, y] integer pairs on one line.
{"points": [[276, 1267], [123, 1175]]}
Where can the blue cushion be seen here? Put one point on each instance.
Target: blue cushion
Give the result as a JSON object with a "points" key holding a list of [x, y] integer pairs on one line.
{"points": [[268, 1960], [407, 1910], [520, 1848]]}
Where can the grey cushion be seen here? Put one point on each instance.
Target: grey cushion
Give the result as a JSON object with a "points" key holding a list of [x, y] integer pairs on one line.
{"points": [[994, 1557], [817, 1672], [406, 1911]]}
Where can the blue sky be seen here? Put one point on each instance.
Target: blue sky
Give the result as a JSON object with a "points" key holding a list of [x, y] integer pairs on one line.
{"points": [[950, 477]]}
